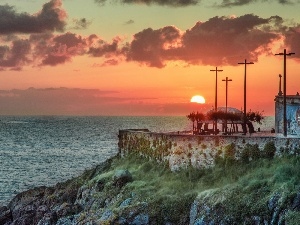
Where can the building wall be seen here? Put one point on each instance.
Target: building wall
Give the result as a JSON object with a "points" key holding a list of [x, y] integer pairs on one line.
{"points": [[292, 114], [199, 151]]}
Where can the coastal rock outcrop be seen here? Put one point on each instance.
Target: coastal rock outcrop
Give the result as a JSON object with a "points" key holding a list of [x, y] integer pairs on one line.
{"points": [[115, 193]]}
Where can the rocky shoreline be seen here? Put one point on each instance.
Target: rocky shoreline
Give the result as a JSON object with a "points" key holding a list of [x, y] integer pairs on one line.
{"points": [[113, 194]]}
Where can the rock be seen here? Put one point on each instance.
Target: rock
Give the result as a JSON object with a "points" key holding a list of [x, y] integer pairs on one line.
{"points": [[194, 212], [296, 202], [48, 219], [126, 202], [121, 178], [106, 216], [5, 215], [141, 219], [273, 202], [67, 209]]}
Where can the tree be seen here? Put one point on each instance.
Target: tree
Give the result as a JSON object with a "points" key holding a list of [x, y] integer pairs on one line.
{"points": [[198, 117], [192, 117], [256, 117]]}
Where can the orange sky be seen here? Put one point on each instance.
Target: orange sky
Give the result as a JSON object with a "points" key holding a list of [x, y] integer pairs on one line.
{"points": [[114, 58]]}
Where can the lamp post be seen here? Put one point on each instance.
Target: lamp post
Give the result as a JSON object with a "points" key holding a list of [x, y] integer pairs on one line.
{"points": [[226, 80], [245, 86], [216, 94], [284, 89]]}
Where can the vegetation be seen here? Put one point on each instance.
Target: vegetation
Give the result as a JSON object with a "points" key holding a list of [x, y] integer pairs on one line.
{"points": [[232, 117], [256, 117], [196, 117], [244, 187], [221, 115]]}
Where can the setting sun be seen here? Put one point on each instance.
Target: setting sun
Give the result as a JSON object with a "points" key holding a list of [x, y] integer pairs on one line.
{"points": [[198, 99]]}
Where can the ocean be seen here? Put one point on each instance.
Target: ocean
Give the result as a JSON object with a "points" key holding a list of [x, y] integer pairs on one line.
{"points": [[44, 150]]}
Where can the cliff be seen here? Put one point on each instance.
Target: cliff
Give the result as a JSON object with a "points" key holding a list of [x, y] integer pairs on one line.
{"points": [[134, 190]]}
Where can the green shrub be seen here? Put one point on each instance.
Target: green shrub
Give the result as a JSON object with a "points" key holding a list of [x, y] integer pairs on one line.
{"points": [[269, 150], [230, 151], [245, 154], [292, 217], [254, 152]]}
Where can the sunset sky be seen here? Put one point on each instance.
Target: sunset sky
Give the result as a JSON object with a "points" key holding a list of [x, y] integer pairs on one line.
{"points": [[143, 57]]}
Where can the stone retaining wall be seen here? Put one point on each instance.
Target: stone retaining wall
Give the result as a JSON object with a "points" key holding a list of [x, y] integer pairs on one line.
{"points": [[181, 151]]}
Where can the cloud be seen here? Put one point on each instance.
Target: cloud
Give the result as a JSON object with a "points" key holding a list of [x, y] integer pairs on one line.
{"points": [[100, 2], [292, 41], [129, 22], [220, 40], [217, 41], [173, 3], [50, 18], [102, 48], [108, 62], [183, 3], [150, 46], [55, 101], [80, 24], [47, 49], [54, 50], [232, 3], [16, 55], [66, 101]]}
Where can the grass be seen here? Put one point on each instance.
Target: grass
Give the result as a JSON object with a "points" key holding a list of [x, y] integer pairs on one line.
{"points": [[244, 188]]}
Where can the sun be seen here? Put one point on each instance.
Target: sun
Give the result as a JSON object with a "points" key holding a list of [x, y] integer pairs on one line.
{"points": [[198, 99]]}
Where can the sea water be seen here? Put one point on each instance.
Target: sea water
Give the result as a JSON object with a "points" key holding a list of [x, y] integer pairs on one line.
{"points": [[44, 150]]}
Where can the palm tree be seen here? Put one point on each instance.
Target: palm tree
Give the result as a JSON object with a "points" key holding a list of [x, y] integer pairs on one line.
{"points": [[192, 117], [199, 117], [256, 117]]}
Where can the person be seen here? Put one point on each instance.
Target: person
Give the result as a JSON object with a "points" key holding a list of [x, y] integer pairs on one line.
{"points": [[272, 130]]}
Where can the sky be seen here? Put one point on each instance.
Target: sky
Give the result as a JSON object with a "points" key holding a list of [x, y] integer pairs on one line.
{"points": [[144, 57]]}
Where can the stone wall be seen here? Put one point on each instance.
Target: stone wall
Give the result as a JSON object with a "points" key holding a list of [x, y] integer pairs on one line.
{"points": [[199, 151]]}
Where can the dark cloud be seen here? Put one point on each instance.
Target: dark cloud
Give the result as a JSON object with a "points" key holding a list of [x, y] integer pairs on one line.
{"points": [[16, 55], [129, 22], [231, 3], [292, 41], [110, 62], [103, 48], [47, 49], [100, 2], [80, 24], [288, 2], [50, 18], [173, 3], [220, 40], [217, 41], [54, 50], [182, 3], [150, 46]]}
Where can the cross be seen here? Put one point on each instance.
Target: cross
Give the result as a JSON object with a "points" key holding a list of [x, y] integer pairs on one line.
{"points": [[226, 80], [245, 80], [216, 94], [284, 90]]}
